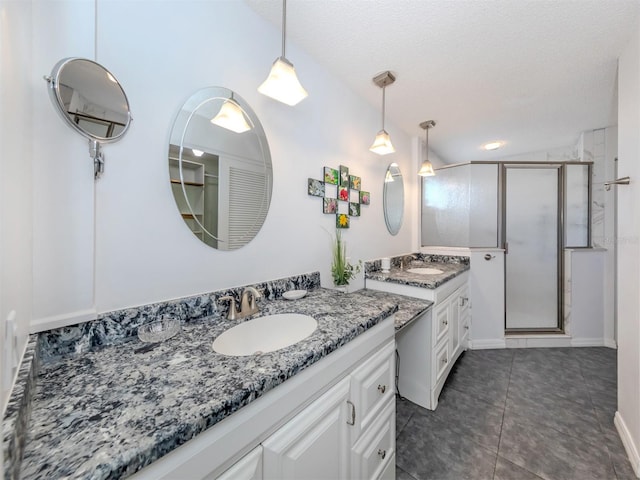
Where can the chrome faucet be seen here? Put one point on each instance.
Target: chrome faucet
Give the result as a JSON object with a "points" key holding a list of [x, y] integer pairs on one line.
{"points": [[247, 307]]}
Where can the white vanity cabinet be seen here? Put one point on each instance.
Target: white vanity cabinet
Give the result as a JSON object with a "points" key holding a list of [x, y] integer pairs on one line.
{"points": [[429, 346], [315, 443], [334, 419], [349, 432]]}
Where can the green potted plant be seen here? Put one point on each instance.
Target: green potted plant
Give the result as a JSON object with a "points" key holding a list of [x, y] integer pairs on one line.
{"points": [[341, 270]]}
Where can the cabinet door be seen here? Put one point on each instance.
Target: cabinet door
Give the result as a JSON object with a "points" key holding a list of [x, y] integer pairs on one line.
{"points": [[248, 467], [464, 316], [372, 386], [454, 315], [441, 321], [315, 443], [377, 446]]}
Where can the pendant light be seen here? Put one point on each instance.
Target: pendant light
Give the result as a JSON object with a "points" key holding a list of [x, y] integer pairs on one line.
{"points": [[382, 143], [426, 170], [231, 117], [282, 84]]}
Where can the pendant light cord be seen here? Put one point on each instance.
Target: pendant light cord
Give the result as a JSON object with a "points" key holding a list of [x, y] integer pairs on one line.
{"points": [[383, 104], [284, 25]]}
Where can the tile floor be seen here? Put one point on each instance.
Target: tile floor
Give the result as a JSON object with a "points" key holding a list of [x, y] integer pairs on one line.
{"points": [[517, 414]]}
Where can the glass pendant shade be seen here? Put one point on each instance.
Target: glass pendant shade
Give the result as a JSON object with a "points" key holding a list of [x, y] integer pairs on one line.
{"points": [[388, 177], [282, 84], [426, 170], [231, 117], [382, 144]]}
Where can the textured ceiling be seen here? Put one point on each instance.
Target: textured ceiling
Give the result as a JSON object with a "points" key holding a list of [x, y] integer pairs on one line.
{"points": [[532, 73]]}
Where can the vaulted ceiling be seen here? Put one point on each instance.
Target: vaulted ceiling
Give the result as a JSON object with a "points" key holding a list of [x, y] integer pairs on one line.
{"points": [[530, 73]]}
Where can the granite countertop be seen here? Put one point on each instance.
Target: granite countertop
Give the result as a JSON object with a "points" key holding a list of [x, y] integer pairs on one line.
{"points": [[409, 308], [401, 276], [111, 411]]}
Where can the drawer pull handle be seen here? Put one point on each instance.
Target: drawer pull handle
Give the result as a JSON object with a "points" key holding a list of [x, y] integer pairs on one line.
{"points": [[444, 360], [353, 413], [466, 327], [382, 388], [382, 453], [445, 322]]}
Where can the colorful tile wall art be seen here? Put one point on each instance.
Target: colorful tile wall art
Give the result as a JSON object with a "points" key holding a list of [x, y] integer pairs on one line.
{"points": [[341, 193]]}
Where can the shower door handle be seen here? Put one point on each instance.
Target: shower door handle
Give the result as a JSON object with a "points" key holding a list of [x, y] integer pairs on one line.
{"points": [[506, 247]]}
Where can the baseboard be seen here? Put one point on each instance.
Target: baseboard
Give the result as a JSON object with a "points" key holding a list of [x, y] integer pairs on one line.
{"points": [[62, 320], [608, 342], [587, 342], [487, 344], [627, 441], [537, 341]]}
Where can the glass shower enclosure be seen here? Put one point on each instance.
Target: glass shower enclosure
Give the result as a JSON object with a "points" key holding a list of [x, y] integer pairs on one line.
{"points": [[532, 210]]}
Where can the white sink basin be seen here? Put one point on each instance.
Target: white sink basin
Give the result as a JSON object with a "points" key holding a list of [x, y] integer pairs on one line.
{"points": [[424, 271], [265, 334]]}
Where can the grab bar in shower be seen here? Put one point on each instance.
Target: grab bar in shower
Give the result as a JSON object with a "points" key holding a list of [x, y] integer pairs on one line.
{"points": [[620, 181]]}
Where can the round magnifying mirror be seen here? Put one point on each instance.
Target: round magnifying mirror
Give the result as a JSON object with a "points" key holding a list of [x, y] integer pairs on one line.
{"points": [[393, 199], [220, 168], [89, 99]]}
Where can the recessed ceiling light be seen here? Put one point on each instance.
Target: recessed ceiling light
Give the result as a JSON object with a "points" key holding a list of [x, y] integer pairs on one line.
{"points": [[492, 145], [196, 152]]}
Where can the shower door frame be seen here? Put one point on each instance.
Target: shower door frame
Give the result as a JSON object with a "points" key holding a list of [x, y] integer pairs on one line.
{"points": [[559, 328]]}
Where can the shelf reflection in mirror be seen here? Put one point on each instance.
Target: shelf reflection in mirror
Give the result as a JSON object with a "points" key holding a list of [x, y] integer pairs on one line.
{"points": [[221, 179], [393, 199]]}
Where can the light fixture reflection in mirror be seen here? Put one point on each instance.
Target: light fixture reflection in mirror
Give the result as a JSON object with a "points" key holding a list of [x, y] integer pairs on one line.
{"points": [[393, 199], [91, 101], [221, 180], [231, 117]]}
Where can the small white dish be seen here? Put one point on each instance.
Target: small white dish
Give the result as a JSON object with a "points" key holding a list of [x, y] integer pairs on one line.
{"points": [[294, 294]]}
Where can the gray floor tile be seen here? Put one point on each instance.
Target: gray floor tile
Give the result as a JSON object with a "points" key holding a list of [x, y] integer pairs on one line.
{"points": [[490, 387], [466, 415], [495, 360], [551, 454], [599, 362], [429, 450], [506, 470], [555, 412], [537, 384], [621, 463], [402, 475], [549, 410], [603, 393], [404, 410]]}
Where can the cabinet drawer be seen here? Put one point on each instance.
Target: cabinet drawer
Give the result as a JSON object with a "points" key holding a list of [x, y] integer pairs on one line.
{"points": [[443, 357], [376, 448], [372, 385], [441, 321]]}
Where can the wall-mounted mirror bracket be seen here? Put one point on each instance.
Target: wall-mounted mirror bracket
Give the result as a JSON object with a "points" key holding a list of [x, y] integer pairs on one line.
{"points": [[92, 102], [98, 159]]}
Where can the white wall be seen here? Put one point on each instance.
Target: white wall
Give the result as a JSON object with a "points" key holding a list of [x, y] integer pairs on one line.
{"points": [[162, 52], [628, 414], [63, 194], [15, 182]]}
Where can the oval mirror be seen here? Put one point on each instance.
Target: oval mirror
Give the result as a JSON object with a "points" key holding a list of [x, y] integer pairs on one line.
{"points": [[89, 99], [220, 168], [393, 199]]}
